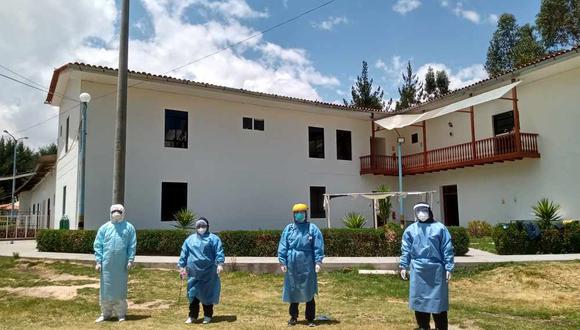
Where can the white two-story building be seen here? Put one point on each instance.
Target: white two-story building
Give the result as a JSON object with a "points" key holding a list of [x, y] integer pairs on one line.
{"points": [[242, 158]]}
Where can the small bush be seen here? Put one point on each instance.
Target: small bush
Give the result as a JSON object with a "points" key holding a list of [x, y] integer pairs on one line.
{"points": [[354, 220], [460, 240], [513, 239], [546, 211], [479, 229]]}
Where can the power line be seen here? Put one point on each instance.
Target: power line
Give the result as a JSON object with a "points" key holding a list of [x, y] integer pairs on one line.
{"points": [[34, 87], [21, 76], [194, 61]]}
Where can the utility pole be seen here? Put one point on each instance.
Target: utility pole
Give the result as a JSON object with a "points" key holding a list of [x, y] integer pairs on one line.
{"points": [[13, 181], [85, 99], [121, 114]]}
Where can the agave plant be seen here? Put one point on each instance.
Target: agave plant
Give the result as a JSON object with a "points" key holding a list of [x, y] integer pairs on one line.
{"points": [[384, 206], [354, 220], [546, 211], [184, 219]]}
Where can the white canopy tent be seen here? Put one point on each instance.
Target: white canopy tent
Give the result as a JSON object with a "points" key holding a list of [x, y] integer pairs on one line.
{"points": [[400, 121], [375, 197]]}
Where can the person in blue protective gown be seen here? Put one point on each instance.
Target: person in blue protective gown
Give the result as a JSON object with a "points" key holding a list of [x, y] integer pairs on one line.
{"points": [[427, 251], [201, 260], [300, 253], [115, 246]]}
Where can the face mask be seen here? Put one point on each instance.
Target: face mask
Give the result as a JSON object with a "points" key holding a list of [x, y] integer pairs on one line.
{"points": [[423, 215], [116, 216], [201, 230], [299, 217]]}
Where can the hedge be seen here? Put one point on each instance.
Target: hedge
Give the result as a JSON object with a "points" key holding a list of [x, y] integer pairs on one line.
{"points": [[259, 243], [513, 239]]}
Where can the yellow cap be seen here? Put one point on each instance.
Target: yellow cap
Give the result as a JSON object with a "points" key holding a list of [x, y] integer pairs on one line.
{"points": [[299, 207]]}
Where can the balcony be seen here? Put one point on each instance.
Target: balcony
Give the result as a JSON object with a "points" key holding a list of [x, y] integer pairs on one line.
{"points": [[487, 151]]}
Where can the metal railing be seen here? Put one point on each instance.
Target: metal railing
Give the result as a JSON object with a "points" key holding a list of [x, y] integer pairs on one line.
{"points": [[22, 226]]}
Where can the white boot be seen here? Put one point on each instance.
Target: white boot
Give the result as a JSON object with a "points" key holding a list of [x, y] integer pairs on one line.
{"points": [[206, 320], [189, 320], [100, 319]]}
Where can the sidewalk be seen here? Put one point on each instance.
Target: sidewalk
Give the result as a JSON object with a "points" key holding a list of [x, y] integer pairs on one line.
{"points": [[27, 249]]}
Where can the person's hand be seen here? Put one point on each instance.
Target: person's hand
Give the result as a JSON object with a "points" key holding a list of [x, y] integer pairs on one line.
{"points": [[182, 273], [317, 267], [130, 265], [448, 276], [283, 268], [404, 274], [220, 268], [98, 267]]}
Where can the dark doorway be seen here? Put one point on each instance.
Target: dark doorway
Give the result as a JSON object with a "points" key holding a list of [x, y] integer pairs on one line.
{"points": [[450, 205], [48, 214]]}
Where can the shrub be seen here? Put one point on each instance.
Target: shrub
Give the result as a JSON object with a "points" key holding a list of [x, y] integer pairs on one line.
{"points": [[550, 242], [546, 211], [571, 237], [184, 219], [513, 239], [364, 242], [479, 229], [354, 220], [460, 240]]}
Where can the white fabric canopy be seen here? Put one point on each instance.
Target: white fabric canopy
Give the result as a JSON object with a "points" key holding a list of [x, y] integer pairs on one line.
{"points": [[400, 121]]}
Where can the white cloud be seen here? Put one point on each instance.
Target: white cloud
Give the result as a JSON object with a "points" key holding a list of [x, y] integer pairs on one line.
{"points": [[469, 15], [392, 70], [51, 34], [492, 19], [329, 23], [228, 8], [404, 6]]}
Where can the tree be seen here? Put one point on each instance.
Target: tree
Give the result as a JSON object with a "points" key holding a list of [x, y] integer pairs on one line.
{"points": [[430, 83], [49, 149], [559, 23], [362, 92], [499, 53], [26, 159], [527, 47], [442, 82], [411, 89]]}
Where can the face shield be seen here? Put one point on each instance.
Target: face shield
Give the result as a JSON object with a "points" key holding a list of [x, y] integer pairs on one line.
{"points": [[117, 213], [422, 212]]}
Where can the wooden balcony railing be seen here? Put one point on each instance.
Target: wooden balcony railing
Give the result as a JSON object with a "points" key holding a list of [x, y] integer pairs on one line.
{"points": [[495, 149]]}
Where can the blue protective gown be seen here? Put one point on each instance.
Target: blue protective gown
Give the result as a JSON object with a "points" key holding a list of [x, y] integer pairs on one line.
{"points": [[115, 246], [301, 247], [428, 251], [200, 256]]}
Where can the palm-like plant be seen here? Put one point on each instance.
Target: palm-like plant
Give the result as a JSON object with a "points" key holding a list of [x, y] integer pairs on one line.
{"points": [[354, 220], [184, 219], [384, 205], [546, 211]]}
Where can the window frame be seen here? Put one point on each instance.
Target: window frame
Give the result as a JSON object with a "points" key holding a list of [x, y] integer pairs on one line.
{"points": [[247, 120], [315, 153], [175, 115], [317, 213], [164, 212], [347, 157], [256, 120], [414, 138]]}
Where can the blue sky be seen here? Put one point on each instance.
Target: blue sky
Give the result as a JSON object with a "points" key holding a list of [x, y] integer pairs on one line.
{"points": [[452, 33], [315, 57]]}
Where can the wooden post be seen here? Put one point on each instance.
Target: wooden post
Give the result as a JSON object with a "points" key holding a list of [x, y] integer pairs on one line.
{"points": [[517, 136], [424, 143], [472, 117]]}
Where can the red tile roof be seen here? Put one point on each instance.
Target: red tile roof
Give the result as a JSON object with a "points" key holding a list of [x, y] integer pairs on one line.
{"points": [[146, 75]]}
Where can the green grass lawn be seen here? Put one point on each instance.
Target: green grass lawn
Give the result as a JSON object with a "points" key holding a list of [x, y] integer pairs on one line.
{"points": [[62, 295], [484, 243]]}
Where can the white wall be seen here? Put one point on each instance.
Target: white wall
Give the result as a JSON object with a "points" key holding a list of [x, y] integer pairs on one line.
{"points": [[67, 161], [41, 195], [237, 179]]}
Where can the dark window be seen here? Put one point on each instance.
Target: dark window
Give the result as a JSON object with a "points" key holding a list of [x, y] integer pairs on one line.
{"points": [[343, 145], [63, 200], [173, 199], [175, 129], [503, 122], [247, 123], [414, 138], [34, 209], [60, 131], [66, 135], [316, 142], [317, 202], [258, 124]]}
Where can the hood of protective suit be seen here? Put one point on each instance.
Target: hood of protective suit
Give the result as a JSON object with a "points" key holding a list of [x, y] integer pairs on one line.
{"points": [[117, 213], [423, 212], [200, 223]]}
